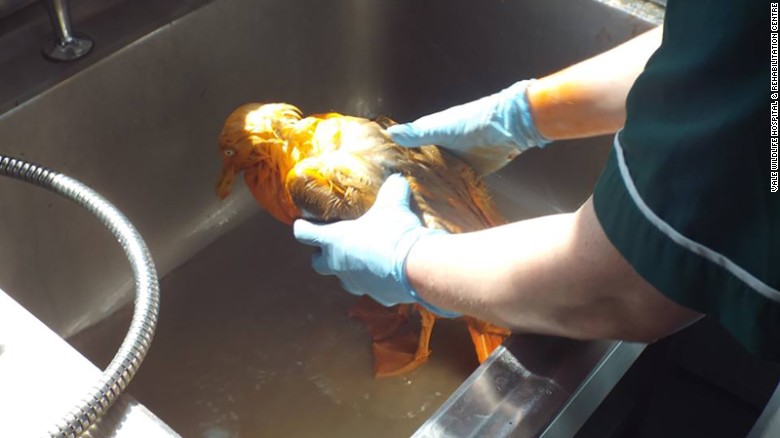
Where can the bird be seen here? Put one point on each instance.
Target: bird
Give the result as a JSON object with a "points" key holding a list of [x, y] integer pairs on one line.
{"points": [[329, 167]]}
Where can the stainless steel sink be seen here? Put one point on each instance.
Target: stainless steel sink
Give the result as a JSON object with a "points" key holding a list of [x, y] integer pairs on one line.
{"points": [[138, 121]]}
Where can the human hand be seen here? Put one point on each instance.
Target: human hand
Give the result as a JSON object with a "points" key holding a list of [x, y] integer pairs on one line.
{"points": [[487, 133], [368, 254]]}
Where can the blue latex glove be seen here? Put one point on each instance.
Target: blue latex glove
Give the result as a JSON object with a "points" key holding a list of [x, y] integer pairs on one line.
{"points": [[487, 133], [368, 254]]}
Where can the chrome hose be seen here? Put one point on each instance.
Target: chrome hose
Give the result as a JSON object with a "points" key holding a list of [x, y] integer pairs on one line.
{"points": [[131, 353]]}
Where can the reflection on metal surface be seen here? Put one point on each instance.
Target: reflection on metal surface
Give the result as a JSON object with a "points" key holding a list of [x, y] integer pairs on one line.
{"points": [[100, 396], [533, 386], [41, 377], [594, 389], [76, 46], [500, 399], [66, 45], [124, 420], [650, 10]]}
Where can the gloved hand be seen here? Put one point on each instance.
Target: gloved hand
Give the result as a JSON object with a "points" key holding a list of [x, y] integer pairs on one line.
{"points": [[487, 133], [368, 254]]}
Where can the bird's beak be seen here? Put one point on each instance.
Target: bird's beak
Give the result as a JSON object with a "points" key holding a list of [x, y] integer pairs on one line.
{"points": [[226, 180]]}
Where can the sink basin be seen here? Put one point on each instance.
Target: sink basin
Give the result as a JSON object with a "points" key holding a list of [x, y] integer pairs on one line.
{"points": [[250, 341]]}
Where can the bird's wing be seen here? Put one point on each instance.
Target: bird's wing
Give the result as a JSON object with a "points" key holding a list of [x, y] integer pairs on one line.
{"points": [[354, 158], [349, 160], [447, 192], [334, 185]]}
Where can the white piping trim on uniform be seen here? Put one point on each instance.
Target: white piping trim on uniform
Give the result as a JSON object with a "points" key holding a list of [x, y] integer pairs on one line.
{"points": [[692, 246]]}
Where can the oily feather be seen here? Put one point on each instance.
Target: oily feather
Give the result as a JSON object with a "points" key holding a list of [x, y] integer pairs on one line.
{"points": [[356, 156], [330, 167]]}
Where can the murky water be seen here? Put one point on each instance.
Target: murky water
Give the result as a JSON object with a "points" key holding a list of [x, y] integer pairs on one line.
{"points": [[252, 343]]}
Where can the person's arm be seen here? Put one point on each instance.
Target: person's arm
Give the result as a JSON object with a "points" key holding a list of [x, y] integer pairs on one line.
{"points": [[584, 100], [589, 98], [552, 275], [555, 275]]}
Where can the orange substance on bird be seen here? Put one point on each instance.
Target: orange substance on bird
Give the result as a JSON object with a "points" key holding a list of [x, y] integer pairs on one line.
{"points": [[329, 167]]}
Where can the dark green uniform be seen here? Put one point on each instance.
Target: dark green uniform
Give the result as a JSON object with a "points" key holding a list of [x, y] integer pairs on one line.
{"points": [[685, 196]]}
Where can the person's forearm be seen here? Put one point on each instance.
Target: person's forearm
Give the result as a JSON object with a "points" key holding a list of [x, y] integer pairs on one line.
{"points": [[589, 98], [554, 275]]}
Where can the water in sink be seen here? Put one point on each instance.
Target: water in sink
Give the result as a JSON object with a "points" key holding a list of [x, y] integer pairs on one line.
{"points": [[252, 343]]}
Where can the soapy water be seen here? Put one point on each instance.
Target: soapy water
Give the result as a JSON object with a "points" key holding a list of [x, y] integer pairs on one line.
{"points": [[252, 343]]}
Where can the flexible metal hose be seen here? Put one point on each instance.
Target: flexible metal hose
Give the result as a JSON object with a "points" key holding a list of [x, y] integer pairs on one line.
{"points": [[131, 353]]}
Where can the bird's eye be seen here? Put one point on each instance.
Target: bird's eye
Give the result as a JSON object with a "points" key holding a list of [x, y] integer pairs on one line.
{"points": [[229, 152]]}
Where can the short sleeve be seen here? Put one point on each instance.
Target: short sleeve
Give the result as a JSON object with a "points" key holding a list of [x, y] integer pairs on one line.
{"points": [[685, 196]]}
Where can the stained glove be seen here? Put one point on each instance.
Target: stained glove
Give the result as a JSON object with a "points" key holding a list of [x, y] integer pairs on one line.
{"points": [[368, 254], [487, 133]]}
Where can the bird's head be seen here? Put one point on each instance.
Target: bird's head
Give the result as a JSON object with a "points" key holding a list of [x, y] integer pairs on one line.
{"points": [[254, 135]]}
